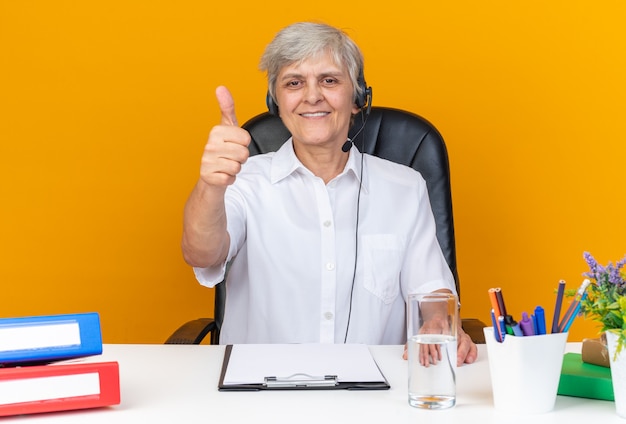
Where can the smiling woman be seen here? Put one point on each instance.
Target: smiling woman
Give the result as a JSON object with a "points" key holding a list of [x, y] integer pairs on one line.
{"points": [[316, 103], [316, 85], [294, 226]]}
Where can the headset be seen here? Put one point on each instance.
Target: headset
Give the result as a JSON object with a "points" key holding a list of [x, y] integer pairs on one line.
{"points": [[363, 97]]}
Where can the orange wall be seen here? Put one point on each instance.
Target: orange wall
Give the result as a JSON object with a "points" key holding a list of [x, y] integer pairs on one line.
{"points": [[105, 108]]}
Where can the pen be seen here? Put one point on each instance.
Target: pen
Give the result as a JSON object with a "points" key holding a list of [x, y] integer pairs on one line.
{"points": [[526, 325], [502, 326], [540, 319], [557, 306], [575, 302], [496, 327]]}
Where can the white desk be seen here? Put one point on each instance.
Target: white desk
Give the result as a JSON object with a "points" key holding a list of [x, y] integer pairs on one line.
{"points": [[178, 384]]}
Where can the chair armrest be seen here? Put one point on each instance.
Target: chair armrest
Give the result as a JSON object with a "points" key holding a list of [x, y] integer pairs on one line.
{"points": [[474, 328], [193, 332]]}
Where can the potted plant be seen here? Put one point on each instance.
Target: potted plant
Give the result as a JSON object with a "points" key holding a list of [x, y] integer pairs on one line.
{"points": [[605, 302]]}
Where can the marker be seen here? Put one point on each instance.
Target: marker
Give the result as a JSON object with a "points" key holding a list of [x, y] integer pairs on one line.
{"points": [[526, 324], [540, 318], [517, 331], [512, 327], [510, 322]]}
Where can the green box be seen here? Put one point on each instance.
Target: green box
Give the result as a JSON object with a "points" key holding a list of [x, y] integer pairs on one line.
{"points": [[581, 379]]}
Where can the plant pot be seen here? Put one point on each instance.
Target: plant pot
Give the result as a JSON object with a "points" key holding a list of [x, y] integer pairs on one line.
{"points": [[618, 374]]}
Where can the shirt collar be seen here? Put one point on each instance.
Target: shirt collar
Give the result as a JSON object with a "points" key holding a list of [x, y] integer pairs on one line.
{"points": [[285, 162]]}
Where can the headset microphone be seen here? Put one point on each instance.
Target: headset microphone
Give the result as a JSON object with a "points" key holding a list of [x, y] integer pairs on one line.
{"points": [[368, 99]]}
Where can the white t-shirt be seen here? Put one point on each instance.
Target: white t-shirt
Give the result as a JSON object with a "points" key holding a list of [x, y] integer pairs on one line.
{"points": [[293, 252]]}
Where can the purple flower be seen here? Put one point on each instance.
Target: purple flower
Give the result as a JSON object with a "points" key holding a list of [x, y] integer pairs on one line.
{"points": [[593, 266], [615, 274], [611, 274]]}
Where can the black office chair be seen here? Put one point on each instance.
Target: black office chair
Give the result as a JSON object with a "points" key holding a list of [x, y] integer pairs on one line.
{"points": [[392, 134]]}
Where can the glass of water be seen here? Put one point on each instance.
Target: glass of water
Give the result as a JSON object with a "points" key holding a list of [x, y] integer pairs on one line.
{"points": [[432, 321]]}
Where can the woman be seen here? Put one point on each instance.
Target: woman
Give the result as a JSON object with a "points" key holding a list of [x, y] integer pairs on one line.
{"points": [[314, 254]]}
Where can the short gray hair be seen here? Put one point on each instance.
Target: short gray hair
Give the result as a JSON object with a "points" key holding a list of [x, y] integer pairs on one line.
{"points": [[304, 40]]}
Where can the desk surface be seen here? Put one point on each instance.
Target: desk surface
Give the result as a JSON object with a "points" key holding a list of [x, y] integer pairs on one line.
{"points": [[178, 384]]}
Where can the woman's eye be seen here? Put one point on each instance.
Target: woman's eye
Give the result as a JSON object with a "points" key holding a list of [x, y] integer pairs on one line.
{"points": [[293, 83]]}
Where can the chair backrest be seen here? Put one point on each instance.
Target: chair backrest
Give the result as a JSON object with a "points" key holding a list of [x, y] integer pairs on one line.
{"points": [[389, 133]]}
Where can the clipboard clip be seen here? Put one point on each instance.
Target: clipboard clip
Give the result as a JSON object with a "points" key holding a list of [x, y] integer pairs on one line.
{"points": [[301, 380]]}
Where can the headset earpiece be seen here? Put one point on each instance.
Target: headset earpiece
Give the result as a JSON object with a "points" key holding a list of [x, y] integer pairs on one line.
{"points": [[364, 93]]}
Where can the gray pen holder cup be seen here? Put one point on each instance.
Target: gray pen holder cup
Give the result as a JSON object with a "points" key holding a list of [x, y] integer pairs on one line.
{"points": [[525, 371]]}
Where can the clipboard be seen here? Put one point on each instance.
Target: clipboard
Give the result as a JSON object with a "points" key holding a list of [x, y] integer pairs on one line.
{"points": [[307, 366]]}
